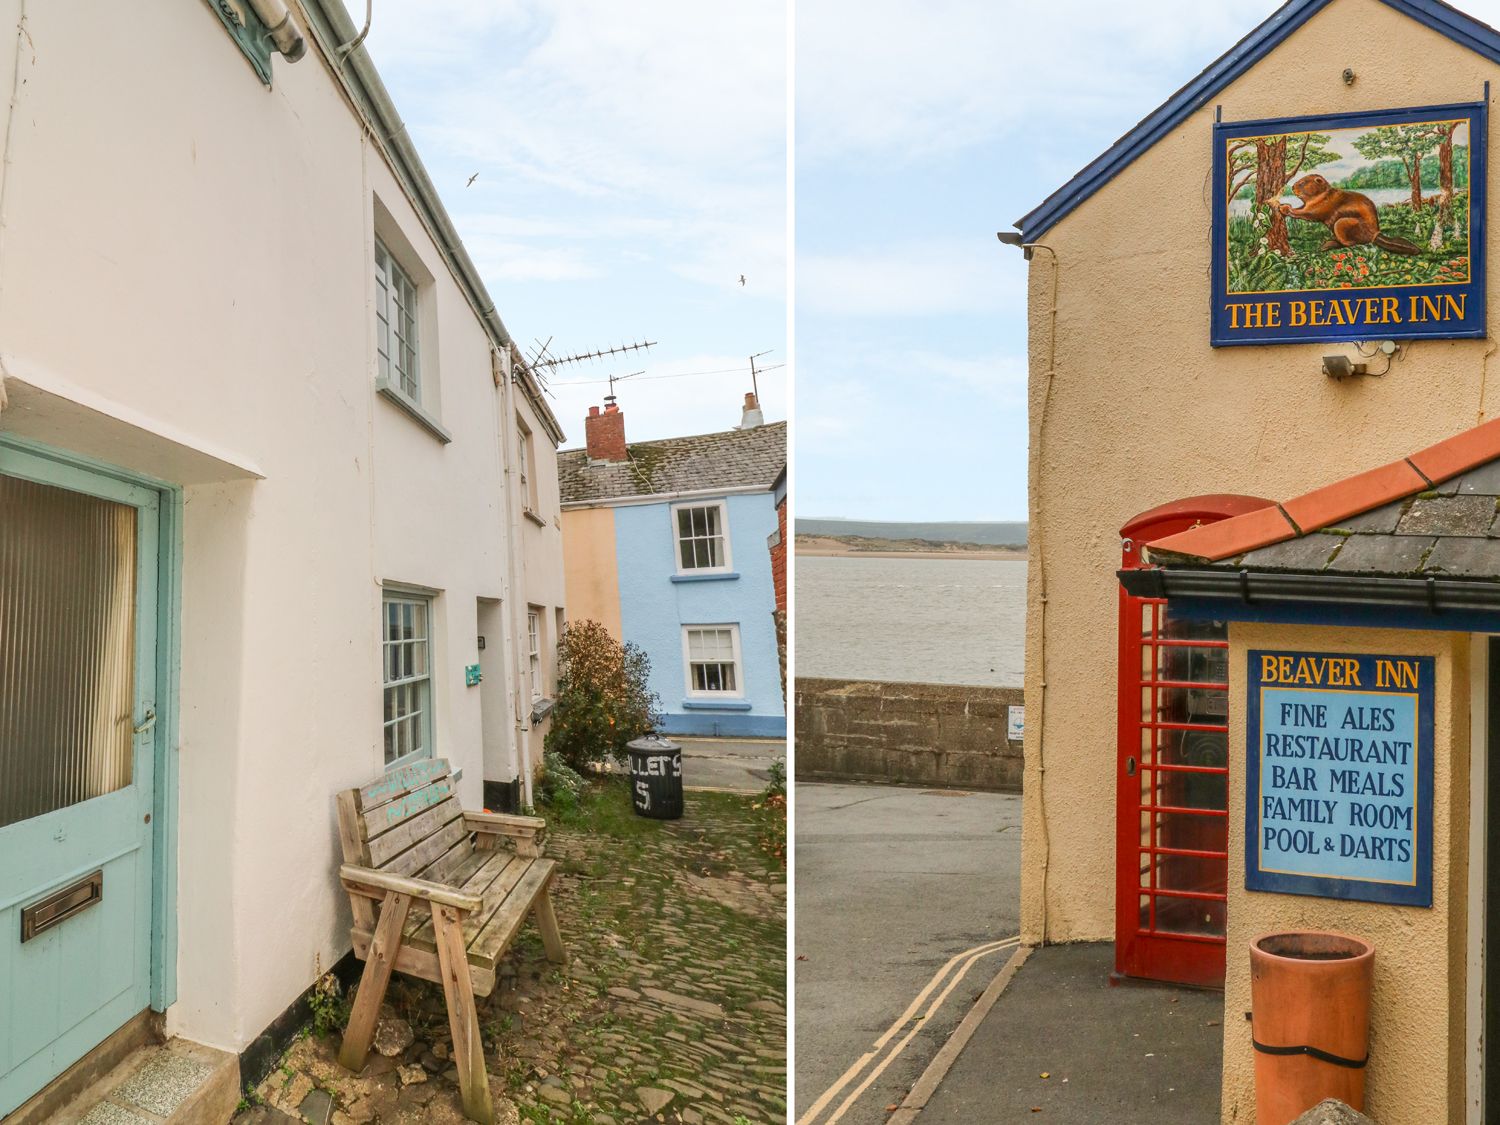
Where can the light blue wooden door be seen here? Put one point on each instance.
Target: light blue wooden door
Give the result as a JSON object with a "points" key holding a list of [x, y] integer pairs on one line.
{"points": [[78, 590]]}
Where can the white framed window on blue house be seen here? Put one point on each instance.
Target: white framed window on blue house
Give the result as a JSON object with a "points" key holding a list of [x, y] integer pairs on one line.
{"points": [[702, 532], [396, 325], [406, 661], [711, 654]]}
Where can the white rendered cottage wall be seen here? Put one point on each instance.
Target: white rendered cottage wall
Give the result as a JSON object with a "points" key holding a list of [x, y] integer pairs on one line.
{"points": [[191, 252], [541, 561]]}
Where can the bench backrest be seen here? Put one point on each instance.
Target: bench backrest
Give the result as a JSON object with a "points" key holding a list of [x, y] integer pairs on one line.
{"points": [[405, 822]]}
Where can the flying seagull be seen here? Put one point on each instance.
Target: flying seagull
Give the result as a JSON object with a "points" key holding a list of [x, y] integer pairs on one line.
{"points": [[472, 178]]}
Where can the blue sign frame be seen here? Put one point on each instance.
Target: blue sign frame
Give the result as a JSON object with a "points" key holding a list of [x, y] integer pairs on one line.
{"points": [[1330, 311], [1357, 826]]}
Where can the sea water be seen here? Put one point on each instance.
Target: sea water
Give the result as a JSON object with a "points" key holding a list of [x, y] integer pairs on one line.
{"points": [[946, 621]]}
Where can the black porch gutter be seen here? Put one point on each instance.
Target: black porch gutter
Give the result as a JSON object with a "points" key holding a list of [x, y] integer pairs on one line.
{"points": [[1244, 594]]}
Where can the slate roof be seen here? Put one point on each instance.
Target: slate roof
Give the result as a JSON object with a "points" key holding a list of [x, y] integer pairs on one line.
{"points": [[1451, 530], [1435, 513], [728, 459], [1461, 28]]}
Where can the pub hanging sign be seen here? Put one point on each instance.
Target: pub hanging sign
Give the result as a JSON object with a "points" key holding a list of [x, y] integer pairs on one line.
{"points": [[1339, 778], [1356, 226]]}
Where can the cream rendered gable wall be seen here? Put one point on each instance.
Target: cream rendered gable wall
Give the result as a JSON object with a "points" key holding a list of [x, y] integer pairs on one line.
{"points": [[202, 264], [1140, 410]]}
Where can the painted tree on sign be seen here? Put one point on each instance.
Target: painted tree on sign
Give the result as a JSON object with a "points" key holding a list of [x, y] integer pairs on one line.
{"points": [[1269, 164], [1445, 172], [1408, 144]]}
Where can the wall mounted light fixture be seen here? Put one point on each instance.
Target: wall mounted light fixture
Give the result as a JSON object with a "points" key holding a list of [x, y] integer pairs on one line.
{"points": [[1341, 367]]}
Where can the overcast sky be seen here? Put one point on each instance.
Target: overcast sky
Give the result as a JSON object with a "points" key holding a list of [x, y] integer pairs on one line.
{"points": [[632, 164], [922, 129]]}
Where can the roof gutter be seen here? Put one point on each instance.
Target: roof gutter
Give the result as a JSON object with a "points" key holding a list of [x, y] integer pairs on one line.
{"points": [[332, 28], [1268, 590], [663, 497]]}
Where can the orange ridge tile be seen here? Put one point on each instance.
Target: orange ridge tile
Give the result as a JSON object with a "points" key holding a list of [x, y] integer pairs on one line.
{"points": [[1323, 507], [1226, 538], [1459, 453]]}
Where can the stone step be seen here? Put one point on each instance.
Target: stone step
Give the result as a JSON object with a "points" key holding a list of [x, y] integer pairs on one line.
{"points": [[171, 1083]]}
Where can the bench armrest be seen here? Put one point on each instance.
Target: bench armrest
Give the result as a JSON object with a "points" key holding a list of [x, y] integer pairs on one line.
{"points": [[525, 833], [374, 884], [505, 824]]}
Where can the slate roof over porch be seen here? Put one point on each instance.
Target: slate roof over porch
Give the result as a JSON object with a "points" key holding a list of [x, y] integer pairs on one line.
{"points": [[1418, 538], [1451, 529], [1433, 512]]}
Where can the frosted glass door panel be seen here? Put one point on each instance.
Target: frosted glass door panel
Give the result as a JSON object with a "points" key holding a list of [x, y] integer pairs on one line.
{"points": [[67, 647]]}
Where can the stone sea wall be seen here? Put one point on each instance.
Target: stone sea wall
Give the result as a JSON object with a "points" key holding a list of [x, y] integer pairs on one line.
{"points": [[942, 735]]}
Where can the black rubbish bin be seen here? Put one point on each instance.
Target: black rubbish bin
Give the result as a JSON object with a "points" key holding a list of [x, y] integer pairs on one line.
{"points": [[656, 777]]}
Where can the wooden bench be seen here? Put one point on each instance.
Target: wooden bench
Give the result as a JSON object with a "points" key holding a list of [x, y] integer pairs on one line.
{"points": [[473, 878]]}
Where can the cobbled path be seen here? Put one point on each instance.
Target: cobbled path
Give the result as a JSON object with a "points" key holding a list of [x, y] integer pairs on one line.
{"points": [[672, 1009]]}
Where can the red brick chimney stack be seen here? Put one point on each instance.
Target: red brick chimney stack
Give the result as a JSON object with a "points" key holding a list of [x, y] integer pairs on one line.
{"points": [[605, 433]]}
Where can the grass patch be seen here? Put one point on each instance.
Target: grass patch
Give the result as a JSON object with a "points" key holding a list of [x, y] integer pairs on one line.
{"points": [[603, 808]]}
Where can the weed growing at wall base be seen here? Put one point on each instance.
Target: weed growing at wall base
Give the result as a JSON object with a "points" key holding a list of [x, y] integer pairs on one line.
{"points": [[770, 806]]}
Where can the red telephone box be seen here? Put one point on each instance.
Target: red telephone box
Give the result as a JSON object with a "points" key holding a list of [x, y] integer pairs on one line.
{"points": [[1171, 853]]}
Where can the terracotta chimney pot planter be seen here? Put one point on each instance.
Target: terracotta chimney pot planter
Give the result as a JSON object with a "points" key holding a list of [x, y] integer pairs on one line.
{"points": [[1310, 995]]}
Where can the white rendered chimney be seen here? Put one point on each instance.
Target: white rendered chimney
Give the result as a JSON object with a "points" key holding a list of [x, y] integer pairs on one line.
{"points": [[752, 416]]}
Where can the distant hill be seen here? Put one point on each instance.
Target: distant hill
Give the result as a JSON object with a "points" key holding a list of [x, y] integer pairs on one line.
{"points": [[996, 534]]}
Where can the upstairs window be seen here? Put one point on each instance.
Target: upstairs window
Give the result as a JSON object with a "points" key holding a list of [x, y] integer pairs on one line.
{"points": [[525, 466], [396, 325], [713, 659], [702, 537]]}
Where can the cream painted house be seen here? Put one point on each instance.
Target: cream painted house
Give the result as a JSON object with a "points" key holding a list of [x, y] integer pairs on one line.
{"points": [[278, 510], [1201, 513]]}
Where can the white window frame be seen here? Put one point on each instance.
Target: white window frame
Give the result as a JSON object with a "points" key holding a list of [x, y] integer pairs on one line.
{"points": [[392, 679], [534, 650], [396, 291], [526, 465], [739, 664], [728, 560]]}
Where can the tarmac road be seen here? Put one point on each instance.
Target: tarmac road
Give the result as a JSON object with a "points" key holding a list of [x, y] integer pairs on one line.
{"points": [[891, 884], [742, 765]]}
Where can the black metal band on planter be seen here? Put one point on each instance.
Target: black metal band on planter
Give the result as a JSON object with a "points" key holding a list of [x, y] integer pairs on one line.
{"points": [[1314, 1052]]}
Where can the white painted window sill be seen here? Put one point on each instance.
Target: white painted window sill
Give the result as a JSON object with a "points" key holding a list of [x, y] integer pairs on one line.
{"points": [[413, 410], [534, 518]]}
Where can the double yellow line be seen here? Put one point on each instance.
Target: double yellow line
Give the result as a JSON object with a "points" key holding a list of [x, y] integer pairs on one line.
{"points": [[951, 973]]}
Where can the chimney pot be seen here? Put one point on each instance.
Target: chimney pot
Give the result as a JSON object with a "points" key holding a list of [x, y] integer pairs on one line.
{"points": [[593, 412]]}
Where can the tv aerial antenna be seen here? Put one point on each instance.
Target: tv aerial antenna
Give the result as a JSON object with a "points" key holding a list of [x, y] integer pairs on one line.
{"points": [[754, 374], [613, 379], [541, 357]]}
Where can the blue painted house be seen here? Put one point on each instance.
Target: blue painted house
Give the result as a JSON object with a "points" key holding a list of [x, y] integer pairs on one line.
{"points": [[667, 543]]}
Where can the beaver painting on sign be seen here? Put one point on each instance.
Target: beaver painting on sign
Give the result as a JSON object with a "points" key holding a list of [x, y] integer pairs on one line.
{"points": [[1387, 204]]}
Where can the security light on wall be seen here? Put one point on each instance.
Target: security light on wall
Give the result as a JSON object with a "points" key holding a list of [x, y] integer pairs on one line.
{"points": [[1341, 367]]}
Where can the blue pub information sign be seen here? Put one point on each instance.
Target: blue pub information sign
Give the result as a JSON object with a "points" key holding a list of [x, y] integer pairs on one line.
{"points": [[1339, 778], [1354, 227]]}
